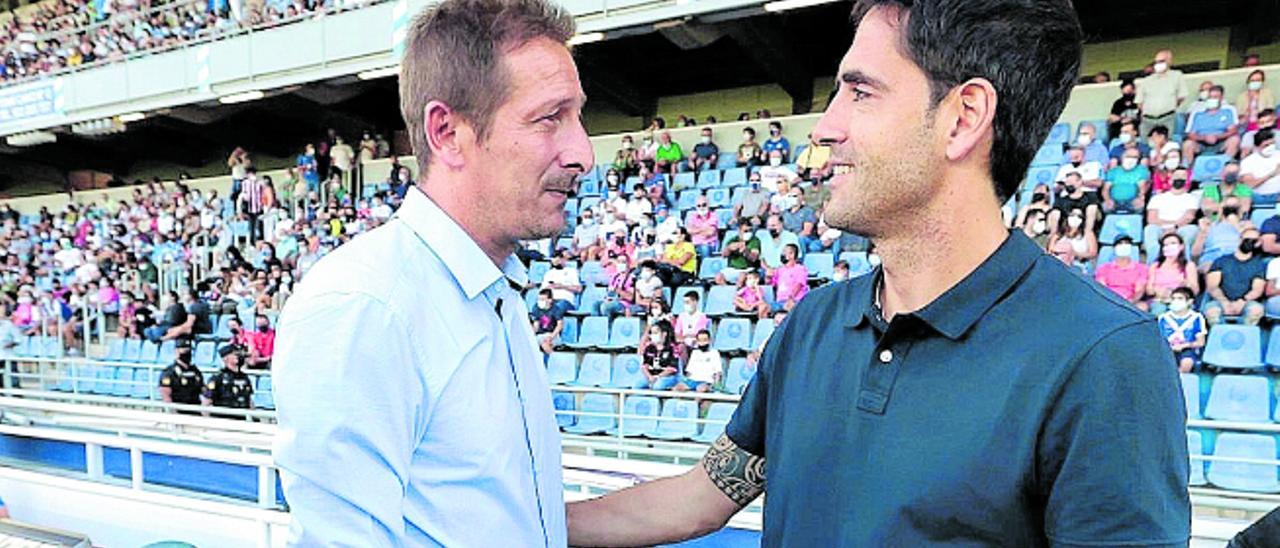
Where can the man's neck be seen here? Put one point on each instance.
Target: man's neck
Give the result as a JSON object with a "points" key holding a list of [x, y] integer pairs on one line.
{"points": [[1243, 257], [455, 206], [920, 265]]}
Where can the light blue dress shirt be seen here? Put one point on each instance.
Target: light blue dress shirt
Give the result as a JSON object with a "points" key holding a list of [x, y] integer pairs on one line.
{"points": [[410, 413]]}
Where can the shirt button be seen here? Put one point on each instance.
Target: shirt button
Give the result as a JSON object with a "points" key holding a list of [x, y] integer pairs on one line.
{"points": [[886, 356]]}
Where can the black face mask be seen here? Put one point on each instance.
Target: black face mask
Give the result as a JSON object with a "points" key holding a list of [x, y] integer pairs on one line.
{"points": [[1230, 178], [184, 356], [775, 232], [651, 239], [1248, 245], [1039, 197], [1229, 211], [1179, 183], [1130, 96]]}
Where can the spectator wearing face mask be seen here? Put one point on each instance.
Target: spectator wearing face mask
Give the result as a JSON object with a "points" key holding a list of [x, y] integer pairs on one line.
{"points": [[772, 242], [1215, 130], [1249, 143], [1218, 238], [1185, 329], [754, 203], [1129, 139], [681, 254], [1162, 171], [1202, 98], [1125, 275], [1090, 171], [668, 156], [620, 297], [776, 173], [705, 153], [704, 368], [800, 219], [741, 253], [563, 282], [548, 321], [1172, 211], [1228, 190], [638, 206], [704, 228], [1158, 147], [1074, 196], [840, 271], [1036, 226], [1095, 150], [626, 161], [262, 343], [1160, 94], [791, 279], [1255, 99], [660, 362], [749, 152], [1169, 271], [1236, 283], [1072, 243], [1261, 169], [750, 298], [776, 142], [1124, 108], [1125, 189], [690, 321], [586, 237]]}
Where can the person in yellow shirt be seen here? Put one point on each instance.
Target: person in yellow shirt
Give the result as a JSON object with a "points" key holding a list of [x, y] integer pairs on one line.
{"points": [[680, 253], [813, 158]]}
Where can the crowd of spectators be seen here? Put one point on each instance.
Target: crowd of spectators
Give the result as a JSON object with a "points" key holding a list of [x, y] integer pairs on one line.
{"points": [[60, 34], [1200, 248]]}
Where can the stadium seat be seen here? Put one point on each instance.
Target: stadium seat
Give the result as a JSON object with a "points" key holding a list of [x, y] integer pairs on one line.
{"points": [[50, 347], [263, 396], [1041, 175], [709, 267], [569, 333], [594, 371], [587, 301], [602, 404], [593, 333], [571, 206], [531, 299], [739, 375], [735, 177], [725, 217], [687, 200], [149, 353], [727, 162], [85, 378], [858, 264], [564, 243], [1273, 348], [538, 270], [720, 300], [673, 430], [1234, 346], [709, 179], [1191, 393], [1048, 155], [115, 350], [1115, 226], [639, 416], [1240, 398], [1195, 446], [587, 203], [562, 368], [122, 384], [143, 383], [27, 348], [763, 330], [589, 188], [1208, 167], [685, 180], [733, 335], [564, 401], [1059, 134], [718, 416], [106, 380], [168, 352], [821, 265], [593, 273], [1260, 215], [624, 335], [677, 302], [132, 350], [205, 354], [719, 198], [1238, 476], [626, 371]]}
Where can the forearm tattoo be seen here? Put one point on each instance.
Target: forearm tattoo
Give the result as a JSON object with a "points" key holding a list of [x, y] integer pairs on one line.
{"points": [[737, 473]]}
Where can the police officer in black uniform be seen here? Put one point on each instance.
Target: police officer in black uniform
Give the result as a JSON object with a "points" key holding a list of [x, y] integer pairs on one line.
{"points": [[182, 382], [230, 387]]}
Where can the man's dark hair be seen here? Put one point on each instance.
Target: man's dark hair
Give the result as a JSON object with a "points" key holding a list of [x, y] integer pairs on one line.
{"points": [[1159, 130], [1028, 49], [775, 125], [1263, 135], [1218, 88], [1267, 112], [1185, 292], [794, 249], [750, 130], [1129, 123]]}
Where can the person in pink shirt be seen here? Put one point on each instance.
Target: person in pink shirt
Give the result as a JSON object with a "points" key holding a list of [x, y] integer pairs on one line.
{"points": [[704, 227], [791, 279], [750, 297], [691, 320], [1124, 275], [109, 297]]}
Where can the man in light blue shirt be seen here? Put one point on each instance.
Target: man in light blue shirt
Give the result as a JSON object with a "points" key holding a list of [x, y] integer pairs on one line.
{"points": [[414, 408]]}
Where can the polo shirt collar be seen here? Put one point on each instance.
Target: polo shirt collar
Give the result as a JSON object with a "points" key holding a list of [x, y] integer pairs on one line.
{"points": [[954, 312], [462, 257]]}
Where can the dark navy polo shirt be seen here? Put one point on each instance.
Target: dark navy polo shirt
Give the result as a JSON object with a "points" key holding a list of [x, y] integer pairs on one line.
{"points": [[1026, 406]]}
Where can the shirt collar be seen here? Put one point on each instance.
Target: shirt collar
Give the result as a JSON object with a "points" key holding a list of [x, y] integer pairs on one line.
{"points": [[466, 262], [955, 311]]}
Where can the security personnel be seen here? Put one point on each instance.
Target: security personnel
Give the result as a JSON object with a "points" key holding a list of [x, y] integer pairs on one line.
{"points": [[181, 382], [230, 387]]}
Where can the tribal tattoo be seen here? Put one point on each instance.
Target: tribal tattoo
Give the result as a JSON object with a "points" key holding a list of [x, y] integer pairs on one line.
{"points": [[737, 473]]}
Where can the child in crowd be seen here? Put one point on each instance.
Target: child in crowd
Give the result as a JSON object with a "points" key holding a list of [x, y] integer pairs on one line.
{"points": [[660, 360], [750, 298], [1185, 329], [703, 370], [547, 320]]}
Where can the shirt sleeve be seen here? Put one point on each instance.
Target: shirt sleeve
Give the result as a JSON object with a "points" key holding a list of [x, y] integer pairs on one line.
{"points": [[348, 399], [1113, 456]]}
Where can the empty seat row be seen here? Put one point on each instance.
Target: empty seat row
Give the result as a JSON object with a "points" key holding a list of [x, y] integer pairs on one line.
{"points": [[1236, 398], [731, 335], [137, 382], [623, 371], [1234, 346], [647, 416], [1255, 477]]}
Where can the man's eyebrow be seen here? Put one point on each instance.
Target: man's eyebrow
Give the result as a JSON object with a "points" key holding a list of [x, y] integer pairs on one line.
{"points": [[855, 77], [560, 103]]}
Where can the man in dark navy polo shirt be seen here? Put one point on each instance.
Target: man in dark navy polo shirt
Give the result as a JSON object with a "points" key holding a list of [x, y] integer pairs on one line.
{"points": [[971, 391]]}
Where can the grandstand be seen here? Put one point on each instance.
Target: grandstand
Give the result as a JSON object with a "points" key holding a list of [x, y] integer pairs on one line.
{"points": [[85, 275]]}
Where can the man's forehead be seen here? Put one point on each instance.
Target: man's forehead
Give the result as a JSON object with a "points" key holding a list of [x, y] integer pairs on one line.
{"points": [[876, 50], [542, 70]]}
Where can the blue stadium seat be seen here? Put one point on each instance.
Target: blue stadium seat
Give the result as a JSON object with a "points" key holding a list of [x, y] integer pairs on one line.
{"points": [[1208, 167], [564, 243], [589, 188], [724, 216], [720, 300], [538, 270], [735, 177], [115, 350], [685, 180], [593, 273], [531, 299], [1241, 398], [587, 203], [820, 265], [718, 416], [1191, 393], [676, 408], [1260, 215], [1059, 134], [564, 401], [562, 368], [709, 179], [1115, 226], [205, 354], [1254, 478], [27, 348], [590, 297], [709, 267], [571, 206], [727, 161], [687, 200], [1179, 128], [858, 264], [733, 335], [106, 380], [630, 183], [594, 371], [624, 335], [677, 303], [168, 352], [1048, 155], [132, 350], [719, 198], [122, 384], [595, 403], [763, 330], [149, 353], [143, 383], [740, 373], [1234, 346], [570, 332], [85, 378], [1195, 446], [639, 416], [50, 347], [1041, 175], [263, 395], [593, 333], [626, 371], [1273, 348]]}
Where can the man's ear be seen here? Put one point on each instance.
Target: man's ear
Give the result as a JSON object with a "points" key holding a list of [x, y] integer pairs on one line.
{"points": [[969, 117], [446, 133]]}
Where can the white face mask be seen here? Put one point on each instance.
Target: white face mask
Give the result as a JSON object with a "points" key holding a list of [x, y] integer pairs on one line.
{"points": [[775, 161], [706, 139], [1124, 250], [1074, 222], [1129, 163], [1161, 67], [1125, 138], [1171, 163], [1204, 95], [1179, 305], [612, 179], [1213, 104], [1085, 139], [608, 218], [627, 145], [1040, 226], [839, 275], [746, 136], [873, 260], [1255, 86]]}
